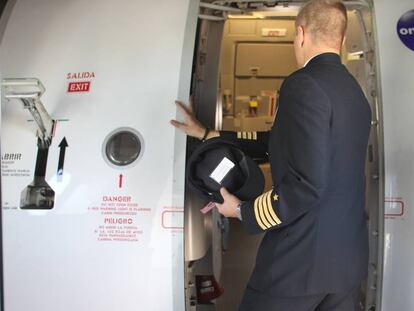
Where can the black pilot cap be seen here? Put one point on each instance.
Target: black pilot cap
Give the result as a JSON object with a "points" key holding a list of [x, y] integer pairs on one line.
{"points": [[218, 163]]}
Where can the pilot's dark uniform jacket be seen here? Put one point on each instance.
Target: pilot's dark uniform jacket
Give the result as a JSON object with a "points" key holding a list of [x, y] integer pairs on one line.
{"points": [[316, 239]]}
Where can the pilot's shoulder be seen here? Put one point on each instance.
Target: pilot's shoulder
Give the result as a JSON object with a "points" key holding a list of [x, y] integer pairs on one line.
{"points": [[299, 80]]}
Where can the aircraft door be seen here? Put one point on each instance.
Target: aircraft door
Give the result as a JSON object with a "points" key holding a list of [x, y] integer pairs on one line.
{"points": [[92, 171]]}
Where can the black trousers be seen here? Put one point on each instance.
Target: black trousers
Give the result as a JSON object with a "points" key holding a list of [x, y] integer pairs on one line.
{"points": [[254, 300]]}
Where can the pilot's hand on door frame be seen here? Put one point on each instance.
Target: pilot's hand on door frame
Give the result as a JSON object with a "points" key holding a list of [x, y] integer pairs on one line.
{"points": [[191, 126]]}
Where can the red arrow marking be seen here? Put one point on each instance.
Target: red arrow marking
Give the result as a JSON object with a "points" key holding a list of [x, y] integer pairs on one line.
{"points": [[120, 181]]}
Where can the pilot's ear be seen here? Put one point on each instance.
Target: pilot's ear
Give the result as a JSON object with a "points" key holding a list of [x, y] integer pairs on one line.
{"points": [[300, 31]]}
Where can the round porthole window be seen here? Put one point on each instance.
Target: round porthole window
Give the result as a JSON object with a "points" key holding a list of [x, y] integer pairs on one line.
{"points": [[122, 147]]}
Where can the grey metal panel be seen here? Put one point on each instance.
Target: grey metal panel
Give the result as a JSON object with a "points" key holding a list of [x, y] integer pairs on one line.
{"points": [[207, 73], [375, 278], [363, 66], [201, 231], [198, 236], [354, 37], [197, 230], [2, 5], [180, 140]]}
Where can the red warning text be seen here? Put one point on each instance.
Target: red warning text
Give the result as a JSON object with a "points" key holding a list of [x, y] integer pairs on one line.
{"points": [[120, 221], [80, 75], [83, 86], [106, 198]]}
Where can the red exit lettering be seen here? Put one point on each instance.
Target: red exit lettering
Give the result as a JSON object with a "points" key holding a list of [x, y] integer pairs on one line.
{"points": [[79, 86]]}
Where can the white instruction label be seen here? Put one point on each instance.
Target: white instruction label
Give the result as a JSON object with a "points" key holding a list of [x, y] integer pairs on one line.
{"points": [[222, 170]]}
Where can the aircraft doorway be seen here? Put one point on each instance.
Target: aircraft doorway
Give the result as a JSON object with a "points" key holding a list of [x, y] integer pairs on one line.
{"points": [[244, 51]]}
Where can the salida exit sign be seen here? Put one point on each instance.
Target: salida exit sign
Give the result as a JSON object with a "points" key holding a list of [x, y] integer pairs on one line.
{"points": [[83, 86], [79, 86]]}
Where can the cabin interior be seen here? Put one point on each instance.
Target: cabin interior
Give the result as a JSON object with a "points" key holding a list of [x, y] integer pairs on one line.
{"points": [[242, 57]]}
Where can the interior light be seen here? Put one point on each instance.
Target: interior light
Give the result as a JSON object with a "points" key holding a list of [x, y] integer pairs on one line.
{"points": [[241, 16]]}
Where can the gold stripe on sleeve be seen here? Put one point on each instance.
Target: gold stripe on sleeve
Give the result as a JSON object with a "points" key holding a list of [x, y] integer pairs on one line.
{"points": [[254, 135], [244, 135], [249, 135], [267, 207], [256, 214], [239, 135], [261, 212], [271, 210]]}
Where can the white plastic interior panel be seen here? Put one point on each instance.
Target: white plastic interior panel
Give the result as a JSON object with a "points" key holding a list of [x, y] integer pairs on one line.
{"points": [[276, 59], [111, 237], [397, 67]]}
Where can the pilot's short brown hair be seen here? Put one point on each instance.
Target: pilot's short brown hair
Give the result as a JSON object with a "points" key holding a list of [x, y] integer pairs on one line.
{"points": [[325, 20]]}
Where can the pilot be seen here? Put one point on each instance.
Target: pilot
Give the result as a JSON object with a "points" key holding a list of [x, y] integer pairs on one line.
{"points": [[314, 253]]}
